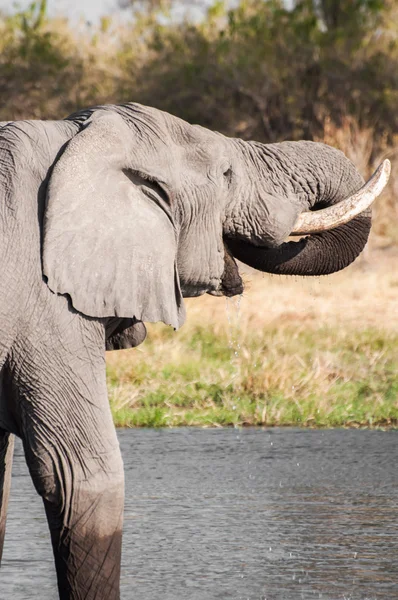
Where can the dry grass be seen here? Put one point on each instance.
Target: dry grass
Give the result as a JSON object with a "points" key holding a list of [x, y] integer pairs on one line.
{"points": [[317, 352], [367, 151]]}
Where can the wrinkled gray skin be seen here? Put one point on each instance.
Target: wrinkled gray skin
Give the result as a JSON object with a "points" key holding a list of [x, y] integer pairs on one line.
{"points": [[107, 220]]}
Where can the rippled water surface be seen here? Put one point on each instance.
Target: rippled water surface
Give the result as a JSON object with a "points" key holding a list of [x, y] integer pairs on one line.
{"points": [[279, 514]]}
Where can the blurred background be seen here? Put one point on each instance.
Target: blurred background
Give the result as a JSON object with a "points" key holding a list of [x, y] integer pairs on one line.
{"points": [[266, 70], [320, 352]]}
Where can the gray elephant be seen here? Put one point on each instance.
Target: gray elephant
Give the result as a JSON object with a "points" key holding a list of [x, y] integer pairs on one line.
{"points": [[108, 219]]}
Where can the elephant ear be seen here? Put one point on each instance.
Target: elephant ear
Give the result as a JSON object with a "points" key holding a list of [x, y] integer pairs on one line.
{"points": [[107, 243]]}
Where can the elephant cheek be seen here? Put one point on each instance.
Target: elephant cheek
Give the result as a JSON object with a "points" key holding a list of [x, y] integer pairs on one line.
{"points": [[265, 221], [200, 264]]}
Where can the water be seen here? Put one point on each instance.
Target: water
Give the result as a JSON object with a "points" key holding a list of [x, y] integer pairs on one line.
{"points": [[232, 308], [279, 514]]}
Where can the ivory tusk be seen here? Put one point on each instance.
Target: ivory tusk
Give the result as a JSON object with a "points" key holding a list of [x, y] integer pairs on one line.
{"points": [[339, 214]]}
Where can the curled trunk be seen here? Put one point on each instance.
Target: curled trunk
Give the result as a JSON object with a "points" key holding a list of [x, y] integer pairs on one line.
{"points": [[335, 211], [319, 254]]}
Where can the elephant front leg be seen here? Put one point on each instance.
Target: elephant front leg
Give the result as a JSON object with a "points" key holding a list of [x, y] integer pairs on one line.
{"points": [[6, 453], [80, 479], [86, 534], [74, 459]]}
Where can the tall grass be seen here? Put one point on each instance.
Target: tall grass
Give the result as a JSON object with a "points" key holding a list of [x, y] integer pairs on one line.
{"points": [[367, 150], [308, 353]]}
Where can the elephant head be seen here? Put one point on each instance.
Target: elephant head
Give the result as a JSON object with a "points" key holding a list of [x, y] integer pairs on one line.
{"points": [[143, 209]]}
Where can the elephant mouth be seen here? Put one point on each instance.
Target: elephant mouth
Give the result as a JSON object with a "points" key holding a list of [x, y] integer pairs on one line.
{"points": [[231, 281], [233, 288], [228, 291]]}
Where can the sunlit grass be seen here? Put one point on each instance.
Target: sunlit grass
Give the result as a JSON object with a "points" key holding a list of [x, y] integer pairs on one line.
{"points": [[310, 354]]}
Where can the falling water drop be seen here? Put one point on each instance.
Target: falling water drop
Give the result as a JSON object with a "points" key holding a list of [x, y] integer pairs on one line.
{"points": [[233, 306]]}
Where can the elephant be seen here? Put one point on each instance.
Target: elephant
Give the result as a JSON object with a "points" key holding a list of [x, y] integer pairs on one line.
{"points": [[109, 218]]}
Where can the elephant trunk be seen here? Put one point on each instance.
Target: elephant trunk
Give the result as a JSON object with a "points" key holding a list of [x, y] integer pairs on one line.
{"points": [[319, 254], [338, 222]]}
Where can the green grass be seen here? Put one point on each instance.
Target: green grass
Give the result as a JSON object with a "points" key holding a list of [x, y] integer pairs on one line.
{"points": [[287, 375]]}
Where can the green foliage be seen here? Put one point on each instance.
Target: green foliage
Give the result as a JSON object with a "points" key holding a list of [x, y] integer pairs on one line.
{"points": [[258, 69], [46, 69], [282, 377], [262, 71], [252, 69]]}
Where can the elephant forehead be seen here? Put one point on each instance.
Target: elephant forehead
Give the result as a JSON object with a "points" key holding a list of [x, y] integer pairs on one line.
{"points": [[161, 162], [177, 163], [172, 149], [205, 153]]}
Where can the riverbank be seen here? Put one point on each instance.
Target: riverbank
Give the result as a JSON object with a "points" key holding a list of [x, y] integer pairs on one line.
{"points": [[305, 352]]}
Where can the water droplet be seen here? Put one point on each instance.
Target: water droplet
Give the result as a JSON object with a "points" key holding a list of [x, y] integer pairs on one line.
{"points": [[233, 317], [298, 464]]}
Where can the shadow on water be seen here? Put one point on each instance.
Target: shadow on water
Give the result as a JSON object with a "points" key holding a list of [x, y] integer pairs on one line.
{"points": [[281, 514]]}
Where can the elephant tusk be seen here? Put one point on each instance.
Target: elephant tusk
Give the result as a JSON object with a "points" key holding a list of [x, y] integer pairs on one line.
{"points": [[343, 212]]}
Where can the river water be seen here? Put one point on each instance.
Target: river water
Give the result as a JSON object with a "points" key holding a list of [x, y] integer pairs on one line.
{"points": [[277, 514]]}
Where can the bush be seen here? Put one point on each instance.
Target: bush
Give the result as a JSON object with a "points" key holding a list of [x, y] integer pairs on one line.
{"points": [[325, 69]]}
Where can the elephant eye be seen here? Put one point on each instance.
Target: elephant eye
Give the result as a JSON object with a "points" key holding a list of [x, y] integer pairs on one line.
{"points": [[148, 184], [228, 174]]}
